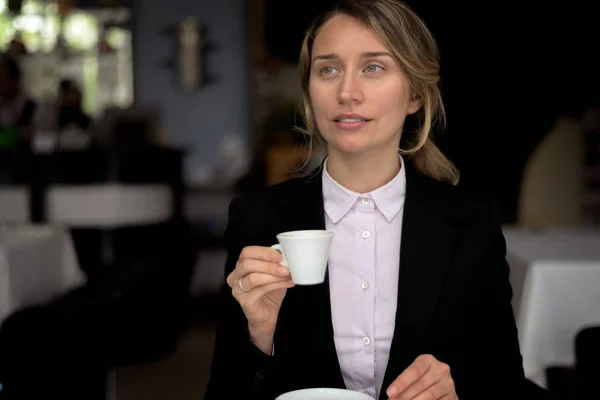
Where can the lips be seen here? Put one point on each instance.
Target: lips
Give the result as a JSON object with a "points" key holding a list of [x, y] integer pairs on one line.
{"points": [[351, 122], [351, 118]]}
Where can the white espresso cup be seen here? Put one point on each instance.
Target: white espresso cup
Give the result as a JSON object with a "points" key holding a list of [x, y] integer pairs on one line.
{"points": [[306, 254]]}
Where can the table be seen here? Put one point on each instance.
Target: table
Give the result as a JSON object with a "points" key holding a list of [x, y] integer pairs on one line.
{"points": [[37, 264], [110, 205], [14, 203], [555, 276], [207, 208], [105, 208]]}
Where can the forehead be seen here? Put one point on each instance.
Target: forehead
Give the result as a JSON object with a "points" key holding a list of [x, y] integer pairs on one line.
{"points": [[343, 34]]}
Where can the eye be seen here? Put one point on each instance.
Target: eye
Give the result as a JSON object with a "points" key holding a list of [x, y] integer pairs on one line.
{"points": [[328, 70], [372, 68]]}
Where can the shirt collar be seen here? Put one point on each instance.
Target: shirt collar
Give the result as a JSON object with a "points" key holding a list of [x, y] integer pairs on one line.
{"points": [[389, 198]]}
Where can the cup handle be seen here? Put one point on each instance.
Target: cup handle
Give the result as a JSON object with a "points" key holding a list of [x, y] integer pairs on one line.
{"points": [[279, 249]]}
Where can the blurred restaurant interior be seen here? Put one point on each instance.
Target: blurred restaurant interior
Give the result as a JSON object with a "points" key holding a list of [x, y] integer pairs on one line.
{"points": [[128, 126]]}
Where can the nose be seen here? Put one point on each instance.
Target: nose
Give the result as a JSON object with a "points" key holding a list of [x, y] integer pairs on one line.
{"points": [[350, 91]]}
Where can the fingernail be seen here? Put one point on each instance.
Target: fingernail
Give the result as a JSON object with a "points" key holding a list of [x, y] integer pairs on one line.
{"points": [[391, 392], [276, 256], [283, 271]]}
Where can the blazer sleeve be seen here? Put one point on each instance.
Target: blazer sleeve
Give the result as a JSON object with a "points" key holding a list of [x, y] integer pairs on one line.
{"points": [[239, 369], [496, 365]]}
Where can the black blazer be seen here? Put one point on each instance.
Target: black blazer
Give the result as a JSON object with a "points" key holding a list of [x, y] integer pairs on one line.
{"points": [[453, 297]]}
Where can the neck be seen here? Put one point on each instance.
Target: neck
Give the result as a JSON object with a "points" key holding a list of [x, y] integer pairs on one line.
{"points": [[363, 173]]}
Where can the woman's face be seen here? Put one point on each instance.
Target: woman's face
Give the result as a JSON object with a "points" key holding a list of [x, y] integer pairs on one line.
{"points": [[360, 96]]}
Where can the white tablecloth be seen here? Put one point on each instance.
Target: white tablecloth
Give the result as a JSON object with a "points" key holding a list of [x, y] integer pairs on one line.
{"points": [[37, 264], [109, 205], [556, 280], [14, 204]]}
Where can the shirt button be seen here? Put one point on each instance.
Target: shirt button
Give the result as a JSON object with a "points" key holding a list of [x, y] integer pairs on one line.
{"points": [[365, 285], [365, 200], [366, 234], [366, 341]]}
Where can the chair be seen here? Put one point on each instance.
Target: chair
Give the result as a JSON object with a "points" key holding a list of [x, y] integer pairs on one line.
{"points": [[531, 391], [579, 382], [587, 362], [552, 186]]}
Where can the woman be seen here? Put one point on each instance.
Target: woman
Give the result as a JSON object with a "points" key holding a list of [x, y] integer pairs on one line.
{"points": [[416, 304]]}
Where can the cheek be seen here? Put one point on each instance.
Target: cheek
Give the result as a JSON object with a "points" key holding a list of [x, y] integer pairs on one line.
{"points": [[392, 106], [392, 99], [318, 102]]}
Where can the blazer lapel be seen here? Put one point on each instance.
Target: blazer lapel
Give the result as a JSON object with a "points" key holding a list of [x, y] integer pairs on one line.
{"points": [[310, 305], [428, 239]]}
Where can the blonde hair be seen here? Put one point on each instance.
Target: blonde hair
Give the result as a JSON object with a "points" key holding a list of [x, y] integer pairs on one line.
{"points": [[415, 50]]}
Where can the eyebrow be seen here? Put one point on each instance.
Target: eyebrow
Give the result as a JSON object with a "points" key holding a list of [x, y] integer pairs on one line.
{"points": [[366, 54]]}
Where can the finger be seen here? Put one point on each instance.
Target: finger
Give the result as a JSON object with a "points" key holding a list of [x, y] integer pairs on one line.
{"points": [[261, 253], [444, 389], [410, 375], [256, 294], [247, 266], [437, 372], [256, 279], [421, 385]]}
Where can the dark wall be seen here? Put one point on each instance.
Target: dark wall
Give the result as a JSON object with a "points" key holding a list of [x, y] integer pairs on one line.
{"points": [[195, 120], [286, 23]]}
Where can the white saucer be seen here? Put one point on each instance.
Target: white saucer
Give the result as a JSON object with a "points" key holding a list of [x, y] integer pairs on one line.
{"points": [[323, 394]]}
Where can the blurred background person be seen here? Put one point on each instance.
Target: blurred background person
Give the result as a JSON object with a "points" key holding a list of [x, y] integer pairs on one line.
{"points": [[70, 107], [74, 126], [17, 110]]}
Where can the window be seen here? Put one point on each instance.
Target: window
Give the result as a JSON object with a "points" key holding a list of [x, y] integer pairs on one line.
{"points": [[92, 47]]}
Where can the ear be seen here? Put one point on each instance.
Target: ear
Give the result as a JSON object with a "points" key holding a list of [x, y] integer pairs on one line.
{"points": [[414, 105]]}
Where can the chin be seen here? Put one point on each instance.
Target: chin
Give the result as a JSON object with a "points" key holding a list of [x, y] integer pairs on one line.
{"points": [[351, 146]]}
